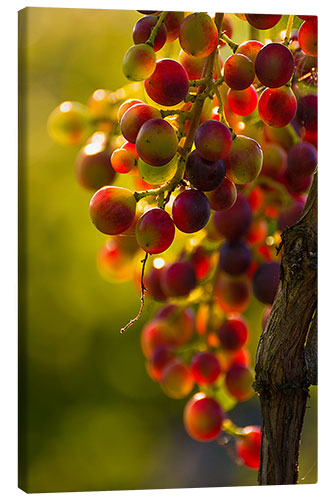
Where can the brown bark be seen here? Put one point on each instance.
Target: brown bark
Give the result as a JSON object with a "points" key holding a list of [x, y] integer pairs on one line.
{"points": [[286, 355]]}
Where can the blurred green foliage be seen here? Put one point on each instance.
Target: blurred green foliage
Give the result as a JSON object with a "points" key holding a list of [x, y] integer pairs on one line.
{"points": [[90, 417]]}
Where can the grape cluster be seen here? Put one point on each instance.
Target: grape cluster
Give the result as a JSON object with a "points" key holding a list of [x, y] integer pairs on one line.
{"points": [[219, 156]]}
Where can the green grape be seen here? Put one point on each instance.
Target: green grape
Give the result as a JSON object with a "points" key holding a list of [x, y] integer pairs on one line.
{"points": [[157, 175], [69, 123]]}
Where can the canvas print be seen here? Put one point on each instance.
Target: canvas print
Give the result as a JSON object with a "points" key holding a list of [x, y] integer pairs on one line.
{"points": [[167, 249]]}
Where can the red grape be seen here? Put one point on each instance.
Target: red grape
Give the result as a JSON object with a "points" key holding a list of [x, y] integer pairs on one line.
{"points": [[155, 231], [274, 65], [169, 84], [190, 211], [277, 107], [203, 418], [112, 209]]}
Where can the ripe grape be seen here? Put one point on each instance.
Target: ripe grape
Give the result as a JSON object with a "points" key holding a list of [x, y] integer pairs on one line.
{"points": [[139, 62], [143, 29], [169, 84], [156, 142], [202, 262], [302, 160], [235, 222], [153, 284], [172, 22], [233, 334], [238, 72], [205, 368], [133, 119], [177, 380], [156, 333], [232, 294], [235, 257], [274, 65], [112, 209], [125, 106], [190, 211], [203, 174], [266, 281], [198, 35], [180, 320], [244, 160], [308, 37], [155, 231], [263, 21], [307, 112], [243, 102], [194, 65], [92, 167], [238, 381], [178, 279], [274, 160], [224, 196], [203, 418], [277, 107], [122, 161], [161, 356], [213, 140], [248, 446]]}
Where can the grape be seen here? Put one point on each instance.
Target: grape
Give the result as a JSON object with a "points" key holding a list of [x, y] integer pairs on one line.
{"points": [[232, 294], [235, 222], [169, 84], [178, 279], [115, 259], [139, 62], [296, 184], [122, 161], [198, 35], [238, 72], [125, 106], [244, 160], [172, 22], [205, 368], [177, 380], [274, 65], [250, 49], [203, 174], [156, 142], [155, 231], [190, 211], [257, 232], [181, 321], [282, 136], [149, 12], [307, 112], [130, 147], [235, 257], [233, 334], [290, 215], [277, 107], [143, 29], [238, 381], [224, 196], [202, 262], [248, 446], [92, 167], [133, 119], [156, 333], [69, 123], [157, 175], [242, 102], [203, 418], [160, 358], [266, 281], [274, 160], [213, 140], [194, 66], [302, 160], [263, 21], [153, 284], [307, 37], [112, 209]]}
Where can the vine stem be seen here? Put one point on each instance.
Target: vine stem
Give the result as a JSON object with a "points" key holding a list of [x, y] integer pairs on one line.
{"points": [[233, 45], [142, 298], [155, 29]]}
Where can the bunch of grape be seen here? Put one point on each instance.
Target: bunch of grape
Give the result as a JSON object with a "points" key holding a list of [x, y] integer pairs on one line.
{"points": [[219, 157]]}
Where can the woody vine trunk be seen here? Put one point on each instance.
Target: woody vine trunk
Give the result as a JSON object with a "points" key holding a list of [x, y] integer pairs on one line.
{"points": [[287, 350]]}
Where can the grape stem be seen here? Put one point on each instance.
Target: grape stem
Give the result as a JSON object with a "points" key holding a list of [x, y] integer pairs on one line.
{"points": [[155, 29], [288, 30], [233, 45], [142, 298]]}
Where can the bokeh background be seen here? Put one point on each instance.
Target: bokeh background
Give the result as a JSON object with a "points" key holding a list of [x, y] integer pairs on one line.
{"points": [[90, 417]]}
